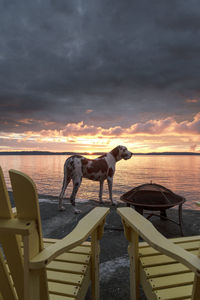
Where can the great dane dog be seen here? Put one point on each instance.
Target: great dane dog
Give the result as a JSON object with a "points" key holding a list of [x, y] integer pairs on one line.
{"points": [[77, 167]]}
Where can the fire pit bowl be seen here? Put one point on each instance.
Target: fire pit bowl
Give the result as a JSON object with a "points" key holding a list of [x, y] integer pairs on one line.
{"points": [[154, 197]]}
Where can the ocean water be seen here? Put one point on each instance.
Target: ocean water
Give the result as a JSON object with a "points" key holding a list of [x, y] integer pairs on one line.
{"points": [[181, 174]]}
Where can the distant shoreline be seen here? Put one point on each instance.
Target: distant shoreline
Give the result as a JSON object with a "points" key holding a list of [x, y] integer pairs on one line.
{"points": [[86, 153]]}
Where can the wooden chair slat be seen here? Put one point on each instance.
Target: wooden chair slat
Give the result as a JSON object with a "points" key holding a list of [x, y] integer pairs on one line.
{"points": [[147, 251], [63, 277], [10, 242], [53, 241], [6, 285], [164, 270], [172, 280], [67, 267], [160, 259], [63, 289], [81, 250], [184, 239], [84, 248], [57, 297], [175, 293], [74, 258]]}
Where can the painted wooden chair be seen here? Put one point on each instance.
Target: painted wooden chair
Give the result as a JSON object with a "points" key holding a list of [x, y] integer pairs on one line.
{"points": [[33, 268], [166, 268]]}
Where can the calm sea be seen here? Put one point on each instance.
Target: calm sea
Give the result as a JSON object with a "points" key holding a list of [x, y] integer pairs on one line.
{"points": [[181, 174]]}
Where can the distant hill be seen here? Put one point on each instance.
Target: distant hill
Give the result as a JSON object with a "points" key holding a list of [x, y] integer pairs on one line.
{"points": [[86, 153], [173, 153], [40, 153]]}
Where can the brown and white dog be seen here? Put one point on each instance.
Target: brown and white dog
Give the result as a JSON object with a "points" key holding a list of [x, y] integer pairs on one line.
{"points": [[77, 167]]}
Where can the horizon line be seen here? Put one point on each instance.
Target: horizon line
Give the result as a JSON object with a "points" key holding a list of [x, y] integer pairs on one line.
{"points": [[37, 152]]}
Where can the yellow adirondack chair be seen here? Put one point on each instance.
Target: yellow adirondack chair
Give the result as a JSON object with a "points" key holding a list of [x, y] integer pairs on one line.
{"points": [[33, 268], [166, 268]]}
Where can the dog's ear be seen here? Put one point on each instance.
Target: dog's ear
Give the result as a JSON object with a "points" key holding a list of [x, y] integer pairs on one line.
{"points": [[115, 152]]}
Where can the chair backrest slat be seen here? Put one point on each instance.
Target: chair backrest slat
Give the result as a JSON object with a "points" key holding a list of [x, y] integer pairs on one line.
{"points": [[11, 244], [27, 207], [26, 200], [6, 287]]}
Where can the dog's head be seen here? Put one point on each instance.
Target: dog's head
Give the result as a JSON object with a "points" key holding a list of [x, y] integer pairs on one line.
{"points": [[121, 152]]}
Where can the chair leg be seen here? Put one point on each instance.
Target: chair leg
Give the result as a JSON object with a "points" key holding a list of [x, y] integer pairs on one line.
{"points": [[6, 286], [134, 265], [196, 289], [95, 266], [180, 219]]}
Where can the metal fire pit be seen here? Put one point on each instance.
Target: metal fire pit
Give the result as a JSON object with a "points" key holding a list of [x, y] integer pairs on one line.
{"points": [[154, 197]]}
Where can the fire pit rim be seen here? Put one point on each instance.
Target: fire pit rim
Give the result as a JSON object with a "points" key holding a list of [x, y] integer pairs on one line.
{"points": [[157, 206]]}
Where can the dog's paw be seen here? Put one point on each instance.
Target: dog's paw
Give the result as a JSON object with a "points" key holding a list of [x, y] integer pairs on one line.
{"points": [[114, 203], [77, 211], [62, 208]]}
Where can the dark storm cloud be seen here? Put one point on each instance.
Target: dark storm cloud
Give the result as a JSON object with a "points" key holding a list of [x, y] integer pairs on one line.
{"points": [[118, 58]]}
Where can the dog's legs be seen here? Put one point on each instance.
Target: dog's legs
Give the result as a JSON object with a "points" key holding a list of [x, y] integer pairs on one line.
{"points": [[76, 185], [101, 192], [64, 187], [66, 181], [110, 183]]}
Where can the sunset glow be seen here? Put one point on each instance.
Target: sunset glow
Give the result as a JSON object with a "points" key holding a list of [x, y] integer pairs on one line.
{"points": [[153, 135]]}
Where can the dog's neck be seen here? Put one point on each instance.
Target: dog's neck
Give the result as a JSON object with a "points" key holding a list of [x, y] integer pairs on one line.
{"points": [[110, 159], [115, 154]]}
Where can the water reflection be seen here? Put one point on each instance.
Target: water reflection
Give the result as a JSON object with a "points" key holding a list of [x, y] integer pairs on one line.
{"points": [[181, 174]]}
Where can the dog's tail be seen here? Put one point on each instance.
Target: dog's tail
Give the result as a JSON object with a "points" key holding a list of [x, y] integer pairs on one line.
{"points": [[66, 180]]}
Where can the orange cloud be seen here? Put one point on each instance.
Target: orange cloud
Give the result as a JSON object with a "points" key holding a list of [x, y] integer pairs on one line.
{"points": [[153, 135], [88, 111], [191, 100], [168, 126], [187, 127], [152, 127], [26, 121], [79, 129]]}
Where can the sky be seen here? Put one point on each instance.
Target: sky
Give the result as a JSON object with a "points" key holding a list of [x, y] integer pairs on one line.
{"points": [[90, 75]]}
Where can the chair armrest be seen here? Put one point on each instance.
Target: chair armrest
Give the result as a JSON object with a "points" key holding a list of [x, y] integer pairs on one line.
{"points": [[16, 226], [80, 233], [148, 232]]}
